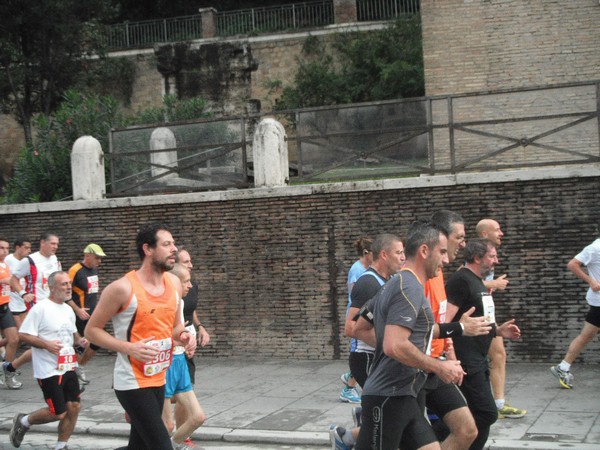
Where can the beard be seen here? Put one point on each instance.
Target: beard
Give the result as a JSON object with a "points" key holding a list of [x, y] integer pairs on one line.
{"points": [[163, 266]]}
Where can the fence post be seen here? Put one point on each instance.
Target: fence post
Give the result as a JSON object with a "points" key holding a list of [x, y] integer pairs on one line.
{"points": [[163, 138], [344, 11], [270, 154], [209, 22], [87, 169]]}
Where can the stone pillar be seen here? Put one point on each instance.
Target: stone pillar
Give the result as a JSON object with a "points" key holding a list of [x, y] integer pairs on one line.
{"points": [[344, 11], [163, 138], [209, 22], [87, 169], [270, 154]]}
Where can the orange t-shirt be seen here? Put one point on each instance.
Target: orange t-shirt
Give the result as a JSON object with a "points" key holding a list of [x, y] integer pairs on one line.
{"points": [[436, 294], [4, 288], [145, 316]]}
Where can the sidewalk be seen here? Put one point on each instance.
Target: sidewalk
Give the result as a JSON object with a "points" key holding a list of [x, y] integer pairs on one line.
{"points": [[292, 402]]}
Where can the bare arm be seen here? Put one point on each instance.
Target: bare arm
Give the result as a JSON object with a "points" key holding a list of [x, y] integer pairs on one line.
{"points": [[38, 342], [576, 267], [396, 345], [499, 284], [350, 324]]}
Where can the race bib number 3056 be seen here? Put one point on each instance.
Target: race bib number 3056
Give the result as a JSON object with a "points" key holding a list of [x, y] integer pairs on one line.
{"points": [[162, 361]]}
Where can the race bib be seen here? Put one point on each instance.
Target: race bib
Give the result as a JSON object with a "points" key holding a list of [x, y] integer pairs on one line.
{"points": [[67, 359], [93, 284], [45, 276], [162, 361], [442, 311], [489, 310], [5, 290]]}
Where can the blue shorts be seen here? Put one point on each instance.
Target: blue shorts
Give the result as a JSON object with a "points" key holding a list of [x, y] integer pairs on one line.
{"points": [[178, 377]]}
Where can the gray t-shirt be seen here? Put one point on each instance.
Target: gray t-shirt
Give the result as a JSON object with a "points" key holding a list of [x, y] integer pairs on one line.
{"points": [[401, 301]]}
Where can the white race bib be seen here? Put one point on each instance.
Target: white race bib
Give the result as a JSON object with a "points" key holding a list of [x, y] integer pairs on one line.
{"points": [[489, 310], [162, 361]]}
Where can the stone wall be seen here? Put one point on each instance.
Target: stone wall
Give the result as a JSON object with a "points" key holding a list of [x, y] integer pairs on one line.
{"points": [[11, 141], [272, 263], [477, 45]]}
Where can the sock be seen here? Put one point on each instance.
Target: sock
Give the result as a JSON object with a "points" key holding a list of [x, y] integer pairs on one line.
{"points": [[564, 366], [9, 367], [348, 438], [60, 445], [500, 403], [25, 421]]}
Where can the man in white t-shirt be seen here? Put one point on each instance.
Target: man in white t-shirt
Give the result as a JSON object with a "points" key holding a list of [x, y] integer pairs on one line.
{"points": [[37, 268], [590, 258], [17, 304], [50, 330]]}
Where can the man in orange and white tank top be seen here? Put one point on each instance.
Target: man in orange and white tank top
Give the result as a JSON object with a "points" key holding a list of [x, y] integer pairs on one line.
{"points": [[144, 306]]}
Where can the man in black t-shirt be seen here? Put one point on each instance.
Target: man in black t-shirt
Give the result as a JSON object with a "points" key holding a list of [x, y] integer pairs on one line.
{"points": [[465, 289], [86, 285]]}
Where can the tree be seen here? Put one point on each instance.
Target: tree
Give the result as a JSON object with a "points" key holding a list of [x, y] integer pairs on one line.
{"points": [[43, 168], [363, 66], [44, 48]]}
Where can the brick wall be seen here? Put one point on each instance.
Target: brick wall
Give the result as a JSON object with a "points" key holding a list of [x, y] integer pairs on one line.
{"points": [[478, 45], [272, 267]]}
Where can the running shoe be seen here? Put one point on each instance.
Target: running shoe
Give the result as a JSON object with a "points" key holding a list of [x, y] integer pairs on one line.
{"points": [[349, 395], [565, 378], [356, 413], [17, 432], [10, 380], [83, 379], [345, 377], [182, 446], [510, 412], [335, 438]]}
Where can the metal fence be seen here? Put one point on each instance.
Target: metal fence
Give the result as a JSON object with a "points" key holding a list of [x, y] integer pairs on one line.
{"points": [[509, 129], [275, 18], [294, 16], [148, 32], [370, 10]]}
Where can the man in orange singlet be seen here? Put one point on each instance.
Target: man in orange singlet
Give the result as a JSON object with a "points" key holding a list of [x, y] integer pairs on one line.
{"points": [[145, 308]]}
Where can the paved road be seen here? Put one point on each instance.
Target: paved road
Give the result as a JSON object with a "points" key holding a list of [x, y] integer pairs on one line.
{"points": [[292, 402]]}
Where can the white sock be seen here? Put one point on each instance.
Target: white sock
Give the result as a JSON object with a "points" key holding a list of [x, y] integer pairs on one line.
{"points": [[500, 403], [60, 445], [564, 366], [25, 421]]}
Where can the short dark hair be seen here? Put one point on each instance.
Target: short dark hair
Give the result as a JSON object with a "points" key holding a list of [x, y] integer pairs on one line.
{"points": [[47, 235], [477, 248], [2, 238], [383, 242], [19, 242], [147, 234], [419, 233], [362, 245], [444, 219]]}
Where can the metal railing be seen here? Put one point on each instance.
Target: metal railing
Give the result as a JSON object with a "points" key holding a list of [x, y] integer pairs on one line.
{"points": [[555, 125], [275, 18], [271, 19], [148, 32], [371, 10]]}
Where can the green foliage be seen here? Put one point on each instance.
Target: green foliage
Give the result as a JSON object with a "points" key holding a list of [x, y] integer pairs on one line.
{"points": [[109, 76], [44, 47], [378, 65], [174, 110], [43, 169]]}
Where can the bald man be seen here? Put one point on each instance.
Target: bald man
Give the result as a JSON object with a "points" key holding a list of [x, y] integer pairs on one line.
{"points": [[490, 229]]}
